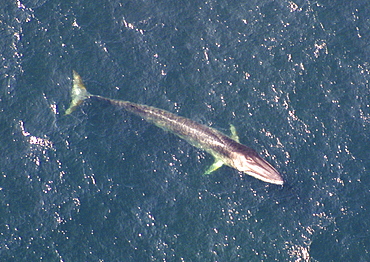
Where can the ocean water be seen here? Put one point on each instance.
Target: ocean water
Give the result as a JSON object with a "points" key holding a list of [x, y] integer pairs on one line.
{"points": [[104, 185]]}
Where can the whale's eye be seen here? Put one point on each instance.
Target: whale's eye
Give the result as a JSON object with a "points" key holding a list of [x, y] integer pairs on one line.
{"points": [[249, 159]]}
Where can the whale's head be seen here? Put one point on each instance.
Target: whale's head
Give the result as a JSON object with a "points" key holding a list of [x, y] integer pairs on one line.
{"points": [[248, 161]]}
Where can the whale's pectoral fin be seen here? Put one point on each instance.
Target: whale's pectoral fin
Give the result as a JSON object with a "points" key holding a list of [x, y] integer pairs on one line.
{"points": [[219, 163], [78, 93], [216, 165], [234, 135]]}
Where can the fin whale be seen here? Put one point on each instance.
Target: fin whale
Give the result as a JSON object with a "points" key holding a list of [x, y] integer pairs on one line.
{"points": [[227, 150]]}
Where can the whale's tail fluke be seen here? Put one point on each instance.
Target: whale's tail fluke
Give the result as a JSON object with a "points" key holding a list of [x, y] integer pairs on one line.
{"points": [[78, 93]]}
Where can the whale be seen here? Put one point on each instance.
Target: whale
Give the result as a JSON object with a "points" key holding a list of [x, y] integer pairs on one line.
{"points": [[226, 150]]}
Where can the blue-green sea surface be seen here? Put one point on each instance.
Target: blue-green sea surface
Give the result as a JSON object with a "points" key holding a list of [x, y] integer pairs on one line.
{"points": [[104, 185]]}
